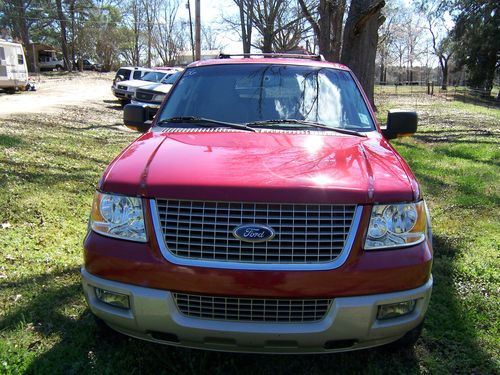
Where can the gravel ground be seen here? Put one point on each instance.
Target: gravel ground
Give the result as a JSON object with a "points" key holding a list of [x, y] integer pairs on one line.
{"points": [[56, 94]]}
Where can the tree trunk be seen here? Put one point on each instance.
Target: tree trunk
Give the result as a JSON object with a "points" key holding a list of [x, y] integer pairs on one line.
{"points": [[328, 28], [337, 25], [64, 41], [137, 29], [72, 15], [246, 12], [267, 42], [444, 70], [22, 32], [244, 38], [360, 41]]}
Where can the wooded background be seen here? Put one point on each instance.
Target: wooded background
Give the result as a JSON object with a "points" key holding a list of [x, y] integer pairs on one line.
{"points": [[389, 42]]}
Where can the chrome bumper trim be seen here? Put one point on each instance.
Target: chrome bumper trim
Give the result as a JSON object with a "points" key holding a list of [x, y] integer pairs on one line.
{"points": [[154, 317]]}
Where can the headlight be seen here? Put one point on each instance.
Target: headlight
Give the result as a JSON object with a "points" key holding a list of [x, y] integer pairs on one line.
{"points": [[396, 225], [118, 216], [159, 98]]}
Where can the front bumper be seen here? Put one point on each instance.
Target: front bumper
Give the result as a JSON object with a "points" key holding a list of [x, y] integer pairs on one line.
{"points": [[350, 324], [152, 105], [151, 108], [121, 94]]}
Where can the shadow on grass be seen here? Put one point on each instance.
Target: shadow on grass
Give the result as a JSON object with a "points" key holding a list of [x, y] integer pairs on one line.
{"points": [[476, 100], [10, 141], [449, 340]]}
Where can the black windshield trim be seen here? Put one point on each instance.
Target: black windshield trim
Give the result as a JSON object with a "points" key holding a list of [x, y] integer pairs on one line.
{"points": [[201, 121], [305, 123]]}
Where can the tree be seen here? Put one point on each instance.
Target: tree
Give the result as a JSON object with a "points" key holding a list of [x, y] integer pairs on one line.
{"points": [[442, 44], [150, 11], [272, 17], [289, 34], [210, 40], [17, 17], [168, 39], [478, 43], [386, 39], [134, 23], [326, 19], [64, 41], [244, 25], [109, 35], [360, 40], [444, 51]]}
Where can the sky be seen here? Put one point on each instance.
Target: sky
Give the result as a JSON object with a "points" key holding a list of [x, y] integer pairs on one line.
{"points": [[211, 15], [212, 12]]}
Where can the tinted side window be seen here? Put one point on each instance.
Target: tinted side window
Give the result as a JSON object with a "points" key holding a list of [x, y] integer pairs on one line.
{"points": [[123, 72], [2, 53], [20, 59], [138, 74]]}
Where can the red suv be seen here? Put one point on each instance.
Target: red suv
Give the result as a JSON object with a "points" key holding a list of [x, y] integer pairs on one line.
{"points": [[263, 210]]}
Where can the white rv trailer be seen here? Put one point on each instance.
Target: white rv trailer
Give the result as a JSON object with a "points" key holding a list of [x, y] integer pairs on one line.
{"points": [[13, 69]]}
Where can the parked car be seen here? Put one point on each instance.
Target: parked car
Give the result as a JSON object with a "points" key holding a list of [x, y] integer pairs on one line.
{"points": [[263, 210], [50, 63], [124, 90], [126, 73], [13, 69], [88, 65], [151, 96]]}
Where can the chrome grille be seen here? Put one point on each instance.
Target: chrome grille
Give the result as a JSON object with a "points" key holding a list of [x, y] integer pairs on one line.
{"points": [[305, 233], [144, 95], [252, 309]]}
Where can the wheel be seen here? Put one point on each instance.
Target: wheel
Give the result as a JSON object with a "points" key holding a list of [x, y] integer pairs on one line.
{"points": [[10, 90]]}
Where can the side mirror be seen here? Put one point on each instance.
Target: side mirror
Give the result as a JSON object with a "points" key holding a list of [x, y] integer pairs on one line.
{"points": [[400, 123], [136, 118]]}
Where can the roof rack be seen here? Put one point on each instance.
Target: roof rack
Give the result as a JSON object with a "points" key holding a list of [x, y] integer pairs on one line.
{"points": [[271, 55]]}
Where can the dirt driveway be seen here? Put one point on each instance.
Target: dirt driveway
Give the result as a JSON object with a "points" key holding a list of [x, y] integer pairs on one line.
{"points": [[55, 94]]}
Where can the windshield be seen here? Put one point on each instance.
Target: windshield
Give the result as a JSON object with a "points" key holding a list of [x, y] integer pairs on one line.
{"points": [[246, 93], [170, 78], [153, 76]]}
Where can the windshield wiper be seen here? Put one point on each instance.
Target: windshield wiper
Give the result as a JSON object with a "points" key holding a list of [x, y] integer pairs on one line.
{"points": [[204, 122], [306, 123]]}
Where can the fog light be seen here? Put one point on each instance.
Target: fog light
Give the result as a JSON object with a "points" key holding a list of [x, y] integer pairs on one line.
{"points": [[394, 310], [112, 298]]}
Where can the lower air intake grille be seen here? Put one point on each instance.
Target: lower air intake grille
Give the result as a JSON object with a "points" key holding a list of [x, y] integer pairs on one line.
{"points": [[252, 309]]}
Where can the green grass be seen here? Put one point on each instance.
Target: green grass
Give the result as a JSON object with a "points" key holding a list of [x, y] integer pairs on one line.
{"points": [[48, 172]]}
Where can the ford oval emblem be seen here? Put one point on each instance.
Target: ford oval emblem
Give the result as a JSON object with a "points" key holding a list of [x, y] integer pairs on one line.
{"points": [[253, 233]]}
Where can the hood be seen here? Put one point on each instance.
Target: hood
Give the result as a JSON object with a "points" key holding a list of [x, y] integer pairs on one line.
{"points": [[260, 167], [134, 83], [158, 87]]}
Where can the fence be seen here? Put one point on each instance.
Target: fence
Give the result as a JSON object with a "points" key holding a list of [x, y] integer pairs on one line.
{"points": [[462, 93]]}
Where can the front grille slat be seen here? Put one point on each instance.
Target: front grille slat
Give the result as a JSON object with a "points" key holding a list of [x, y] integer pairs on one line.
{"points": [[304, 233], [252, 309]]}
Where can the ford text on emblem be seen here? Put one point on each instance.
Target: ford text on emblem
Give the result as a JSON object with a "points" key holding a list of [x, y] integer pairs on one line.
{"points": [[253, 233]]}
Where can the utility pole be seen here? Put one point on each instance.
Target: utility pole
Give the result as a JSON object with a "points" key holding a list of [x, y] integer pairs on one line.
{"points": [[197, 25], [188, 5]]}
